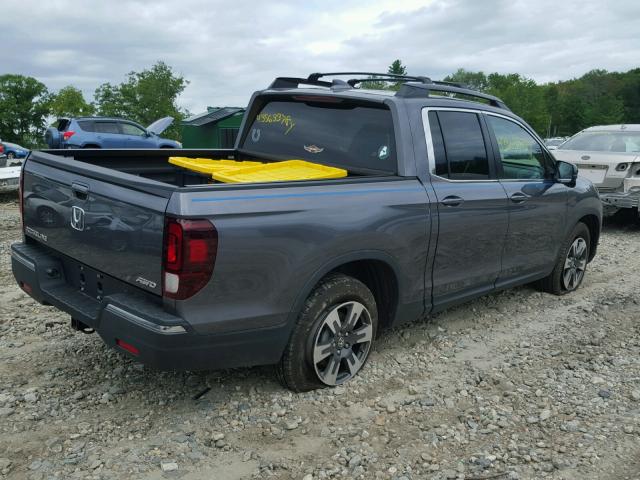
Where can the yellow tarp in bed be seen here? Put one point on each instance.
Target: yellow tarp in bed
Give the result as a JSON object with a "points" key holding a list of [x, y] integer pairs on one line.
{"points": [[279, 172], [231, 171]]}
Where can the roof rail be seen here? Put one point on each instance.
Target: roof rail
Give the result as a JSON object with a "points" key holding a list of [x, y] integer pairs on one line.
{"points": [[420, 90], [412, 86], [371, 77]]}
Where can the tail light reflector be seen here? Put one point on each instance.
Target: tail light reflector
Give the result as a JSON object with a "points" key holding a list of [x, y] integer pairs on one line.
{"points": [[190, 250], [21, 194], [127, 346]]}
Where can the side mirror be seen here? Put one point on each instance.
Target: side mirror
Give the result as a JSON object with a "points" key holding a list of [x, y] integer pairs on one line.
{"points": [[147, 134], [567, 173]]}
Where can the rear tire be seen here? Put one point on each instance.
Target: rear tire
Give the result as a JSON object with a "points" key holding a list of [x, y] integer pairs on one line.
{"points": [[571, 265], [332, 337]]}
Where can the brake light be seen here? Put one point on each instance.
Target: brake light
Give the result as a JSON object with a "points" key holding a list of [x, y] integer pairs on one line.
{"points": [[68, 134], [1, 148], [190, 253]]}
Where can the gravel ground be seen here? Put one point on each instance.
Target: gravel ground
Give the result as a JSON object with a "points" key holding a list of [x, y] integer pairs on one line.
{"points": [[516, 385]]}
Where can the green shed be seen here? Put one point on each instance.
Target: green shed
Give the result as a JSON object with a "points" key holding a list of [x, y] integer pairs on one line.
{"points": [[216, 128]]}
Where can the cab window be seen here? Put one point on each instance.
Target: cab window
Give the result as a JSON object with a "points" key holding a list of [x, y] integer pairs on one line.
{"points": [[521, 156], [458, 144]]}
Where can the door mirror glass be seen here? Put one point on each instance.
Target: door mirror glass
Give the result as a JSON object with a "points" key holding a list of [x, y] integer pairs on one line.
{"points": [[567, 173]]}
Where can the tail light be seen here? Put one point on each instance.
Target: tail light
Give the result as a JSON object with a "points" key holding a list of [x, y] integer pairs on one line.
{"points": [[68, 134], [190, 250], [1, 148]]}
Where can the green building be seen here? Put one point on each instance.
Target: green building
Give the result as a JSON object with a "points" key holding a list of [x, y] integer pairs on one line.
{"points": [[216, 128]]}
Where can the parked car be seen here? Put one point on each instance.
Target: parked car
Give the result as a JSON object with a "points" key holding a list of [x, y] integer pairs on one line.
{"points": [[609, 156], [14, 152], [9, 179], [446, 199], [104, 132], [554, 142]]}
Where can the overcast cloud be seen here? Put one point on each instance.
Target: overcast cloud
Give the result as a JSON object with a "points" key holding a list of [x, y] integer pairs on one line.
{"points": [[229, 49]]}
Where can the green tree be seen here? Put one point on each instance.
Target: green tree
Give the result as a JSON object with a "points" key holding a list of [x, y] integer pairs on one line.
{"points": [[474, 80], [24, 107], [69, 102], [397, 68], [145, 97], [523, 96]]}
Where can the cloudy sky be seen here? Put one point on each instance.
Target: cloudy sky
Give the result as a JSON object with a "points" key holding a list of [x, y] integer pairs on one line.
{"points": [[228, 49]]}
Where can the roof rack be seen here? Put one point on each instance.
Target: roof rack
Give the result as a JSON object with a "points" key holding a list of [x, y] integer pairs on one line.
{"points": [[418, 90], [412, 86]]}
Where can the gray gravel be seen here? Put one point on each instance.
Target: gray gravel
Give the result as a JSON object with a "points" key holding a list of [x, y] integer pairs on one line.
{"points": [[516, 385]]}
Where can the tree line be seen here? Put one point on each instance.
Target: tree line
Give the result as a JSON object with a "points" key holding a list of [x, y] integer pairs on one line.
{"points": [[565, 107], [552, 109]]}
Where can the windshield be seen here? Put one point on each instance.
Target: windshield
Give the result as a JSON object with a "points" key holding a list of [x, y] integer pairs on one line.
{"points": [[618, 141], [327, 131]]}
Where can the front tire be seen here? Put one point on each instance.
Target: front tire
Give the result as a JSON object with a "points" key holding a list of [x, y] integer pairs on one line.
{"points": [[571, 264], [332, 337]]}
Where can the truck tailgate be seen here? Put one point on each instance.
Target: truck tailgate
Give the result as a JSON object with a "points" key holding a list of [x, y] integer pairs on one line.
{"points": [[102, 223]]}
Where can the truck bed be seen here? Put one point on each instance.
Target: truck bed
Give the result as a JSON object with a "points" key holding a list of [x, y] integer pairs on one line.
{"points": [[153, 164]]}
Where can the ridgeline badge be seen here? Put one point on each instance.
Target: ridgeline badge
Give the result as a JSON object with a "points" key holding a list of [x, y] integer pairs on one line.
{"points": [[313, 149]]}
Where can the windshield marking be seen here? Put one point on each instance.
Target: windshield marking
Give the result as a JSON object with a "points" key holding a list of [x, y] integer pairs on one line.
{"points": [[278, 117]]}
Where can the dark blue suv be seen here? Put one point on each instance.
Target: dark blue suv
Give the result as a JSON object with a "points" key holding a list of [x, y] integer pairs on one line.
{"points": [[105, 132]]}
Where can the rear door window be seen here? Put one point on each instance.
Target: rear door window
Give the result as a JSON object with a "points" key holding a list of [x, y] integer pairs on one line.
{"points": [[107, 127], [459, 146]]}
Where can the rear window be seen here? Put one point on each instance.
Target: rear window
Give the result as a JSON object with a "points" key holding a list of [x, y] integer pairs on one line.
{"points": [[620, 141], [62, 124], [334, 132]]}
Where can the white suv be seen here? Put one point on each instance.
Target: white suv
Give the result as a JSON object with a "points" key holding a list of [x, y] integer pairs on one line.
{"points": [[609, 156]]}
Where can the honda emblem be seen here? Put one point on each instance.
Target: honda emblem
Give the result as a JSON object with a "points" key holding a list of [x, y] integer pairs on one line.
{"points": [[77, 218]]}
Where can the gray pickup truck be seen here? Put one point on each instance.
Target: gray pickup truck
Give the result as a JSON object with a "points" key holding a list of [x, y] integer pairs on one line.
{"points": [[449, 196]]}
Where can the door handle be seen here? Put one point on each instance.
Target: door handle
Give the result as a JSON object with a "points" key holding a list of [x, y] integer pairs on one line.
{"points": [[452, 201], [518, 197]]}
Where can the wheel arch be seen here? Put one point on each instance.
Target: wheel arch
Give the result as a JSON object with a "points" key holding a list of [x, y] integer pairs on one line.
{"points": [[376, 269], [593, 224]]}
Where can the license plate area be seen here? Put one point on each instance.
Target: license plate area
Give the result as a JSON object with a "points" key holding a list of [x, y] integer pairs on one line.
{"points": [[91, 282], [595, 173]]}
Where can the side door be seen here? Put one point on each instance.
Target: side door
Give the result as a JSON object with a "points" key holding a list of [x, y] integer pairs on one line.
{"points": [[136, 136], [537, 202], [472, 206], [108, 133]]}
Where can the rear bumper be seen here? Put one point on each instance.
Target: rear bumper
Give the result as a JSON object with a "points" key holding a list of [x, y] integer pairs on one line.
{"points": [[621, 199], [163, 341]]}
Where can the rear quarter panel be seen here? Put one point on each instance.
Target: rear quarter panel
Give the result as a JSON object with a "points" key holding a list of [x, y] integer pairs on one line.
{"points": [[275, 243]]}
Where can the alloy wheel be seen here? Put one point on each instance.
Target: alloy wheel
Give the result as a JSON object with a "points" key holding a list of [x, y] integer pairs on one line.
{"points": [[575, 264], [342, 343]]}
